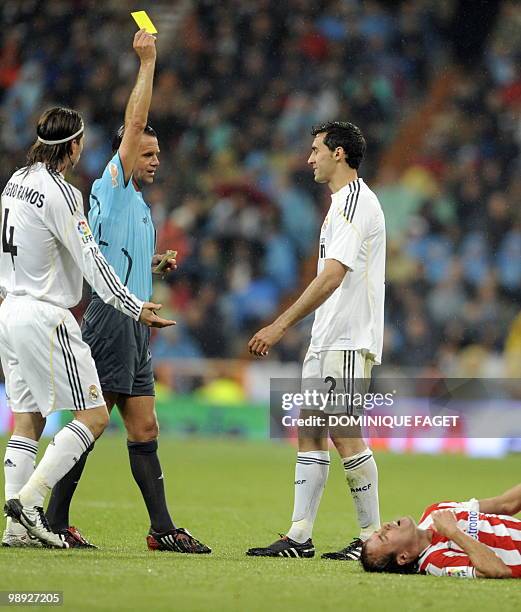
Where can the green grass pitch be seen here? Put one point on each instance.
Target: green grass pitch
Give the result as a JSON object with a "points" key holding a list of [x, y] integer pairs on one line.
{"points": [[234, 494]]}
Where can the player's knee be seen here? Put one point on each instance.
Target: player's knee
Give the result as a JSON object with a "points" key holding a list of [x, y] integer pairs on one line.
{"points": [[307, 444], [149, 431], [98, 425], [103, 421], [96, 420], [29, 425], [348, 447]]}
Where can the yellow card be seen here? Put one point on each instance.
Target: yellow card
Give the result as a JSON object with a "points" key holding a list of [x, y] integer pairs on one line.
{"points": [[162, 264], [144, 21]]}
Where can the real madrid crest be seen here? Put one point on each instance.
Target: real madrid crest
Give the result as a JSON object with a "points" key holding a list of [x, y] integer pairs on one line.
{"points": [[94, 393]]}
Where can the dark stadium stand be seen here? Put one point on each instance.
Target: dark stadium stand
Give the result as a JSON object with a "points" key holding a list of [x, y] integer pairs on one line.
{"points": [[237, 88]]}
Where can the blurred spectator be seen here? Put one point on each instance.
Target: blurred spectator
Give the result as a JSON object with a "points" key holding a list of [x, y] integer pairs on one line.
{"points": [[237, 88]]}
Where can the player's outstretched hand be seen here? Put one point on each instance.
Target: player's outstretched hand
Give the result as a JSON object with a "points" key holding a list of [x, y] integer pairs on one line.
{"points": [[149, 317], [445, 522], [264, 339], [145, 46]]}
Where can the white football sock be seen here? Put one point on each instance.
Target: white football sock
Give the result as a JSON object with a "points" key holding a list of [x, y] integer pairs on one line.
{"points": [[311, 473], [362, 479], [19, 458], [62, 453]]}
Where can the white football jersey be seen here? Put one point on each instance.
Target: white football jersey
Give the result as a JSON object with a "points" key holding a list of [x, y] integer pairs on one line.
{"points": [[48, 247], [353, 233]]}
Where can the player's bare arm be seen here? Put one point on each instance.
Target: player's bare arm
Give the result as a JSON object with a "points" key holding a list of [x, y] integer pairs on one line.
{"points": [[136, 114], [485, 561], [316, 293], [508, 503]]}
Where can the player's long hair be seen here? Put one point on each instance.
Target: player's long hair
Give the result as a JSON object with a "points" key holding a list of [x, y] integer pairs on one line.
{"points": [[54, 124], [386, 563]]}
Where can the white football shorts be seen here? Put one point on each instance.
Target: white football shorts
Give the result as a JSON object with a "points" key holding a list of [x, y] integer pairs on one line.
{"points": [[345, 375], [46, 364]]}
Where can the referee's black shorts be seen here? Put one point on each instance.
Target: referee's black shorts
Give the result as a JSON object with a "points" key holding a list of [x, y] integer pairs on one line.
{"points": [[120, 348]]}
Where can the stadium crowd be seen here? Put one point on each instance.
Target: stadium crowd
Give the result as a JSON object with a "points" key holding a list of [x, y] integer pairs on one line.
{"points": [[238, 85]]}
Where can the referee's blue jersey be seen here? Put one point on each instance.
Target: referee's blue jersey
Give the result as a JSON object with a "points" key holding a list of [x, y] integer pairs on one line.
{"points": [[122, 225]]}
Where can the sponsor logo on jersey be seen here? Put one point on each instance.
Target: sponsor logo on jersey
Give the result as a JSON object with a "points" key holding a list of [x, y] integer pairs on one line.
{"points": [[9, 463], [300, 481], [113, 169], [458, 572], [85, 233], [94, 393], [473, 522]]}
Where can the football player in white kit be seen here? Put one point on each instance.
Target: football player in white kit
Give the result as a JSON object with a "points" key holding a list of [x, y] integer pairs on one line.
{"points": [[47, 250], [347, 296]]}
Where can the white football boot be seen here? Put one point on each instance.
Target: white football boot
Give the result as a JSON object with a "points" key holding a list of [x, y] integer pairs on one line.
{"points": [[16, 536], [34, 520]]}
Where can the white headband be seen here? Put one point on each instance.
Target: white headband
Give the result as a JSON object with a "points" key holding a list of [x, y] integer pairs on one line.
{"points": [[55, 142]]}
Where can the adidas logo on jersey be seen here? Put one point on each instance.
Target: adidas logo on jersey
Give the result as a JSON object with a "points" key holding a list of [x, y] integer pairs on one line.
{"points": [[9, 463]]}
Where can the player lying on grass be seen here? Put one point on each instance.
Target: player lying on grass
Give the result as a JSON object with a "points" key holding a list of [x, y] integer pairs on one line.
{"points": [[473, 539]]}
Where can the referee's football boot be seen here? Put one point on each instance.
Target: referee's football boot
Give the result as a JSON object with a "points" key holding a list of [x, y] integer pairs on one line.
{"points": [[285, 547], [176, 540], [352, 552], [34, 520], [74, 538]]}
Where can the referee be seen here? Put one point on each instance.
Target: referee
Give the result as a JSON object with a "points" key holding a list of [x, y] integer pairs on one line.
{"points": [[122, 225]]}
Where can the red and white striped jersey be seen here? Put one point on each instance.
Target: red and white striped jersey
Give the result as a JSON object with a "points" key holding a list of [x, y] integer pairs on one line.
{"points": [[499, 532]]}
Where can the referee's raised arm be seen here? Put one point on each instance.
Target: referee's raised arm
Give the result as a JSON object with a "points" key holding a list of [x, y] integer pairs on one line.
{"points": [[138, 104]]}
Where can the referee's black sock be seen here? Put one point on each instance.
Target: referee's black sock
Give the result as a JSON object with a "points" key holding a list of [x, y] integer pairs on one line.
{"points": [[146, 470], [61, 495]]}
